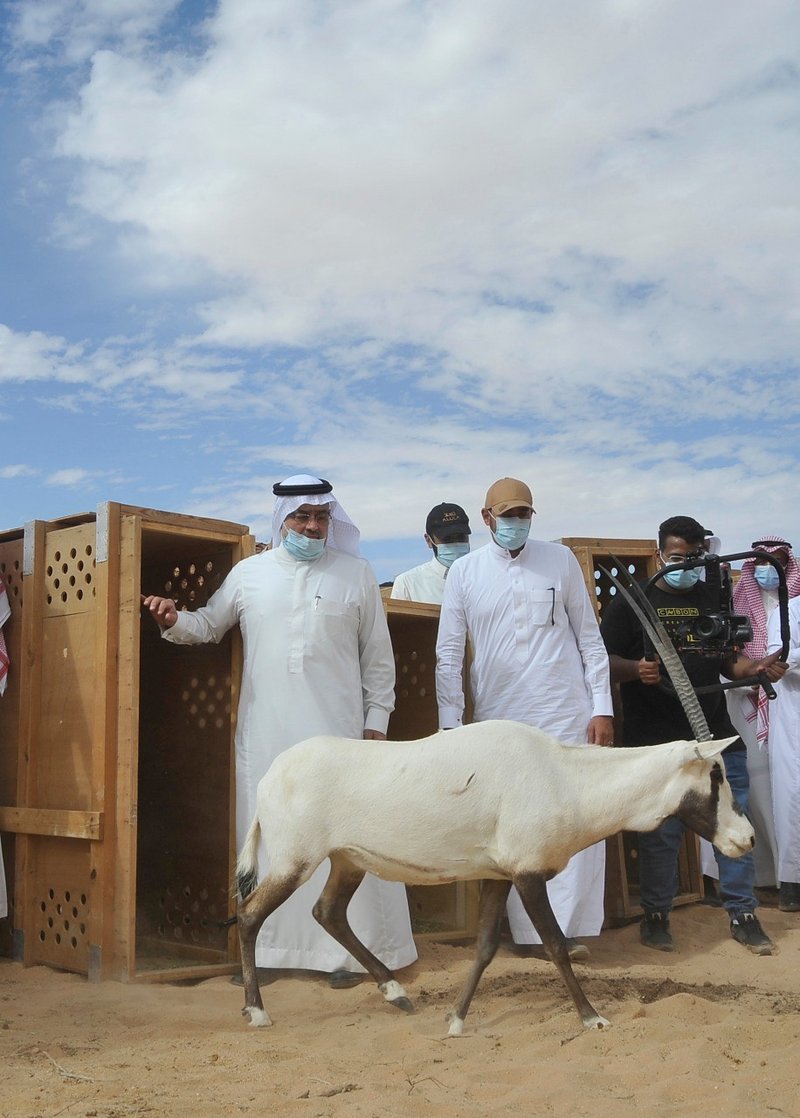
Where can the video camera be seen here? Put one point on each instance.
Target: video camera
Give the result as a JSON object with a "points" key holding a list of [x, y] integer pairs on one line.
{"points": [[720, 631]]}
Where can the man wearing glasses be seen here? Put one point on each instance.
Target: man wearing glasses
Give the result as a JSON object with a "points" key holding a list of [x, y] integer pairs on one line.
{"points": [[537, 657], [317, 660], [652, 713]]}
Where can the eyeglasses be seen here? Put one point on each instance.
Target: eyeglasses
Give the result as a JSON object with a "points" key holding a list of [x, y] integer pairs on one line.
{"points": [[683, 558], [323, 517]]}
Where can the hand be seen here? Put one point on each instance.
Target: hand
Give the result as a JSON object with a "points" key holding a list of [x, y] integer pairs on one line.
{"points": [[601, 730], [772, 667], [649, 671], [163, 610], [374, 735]]}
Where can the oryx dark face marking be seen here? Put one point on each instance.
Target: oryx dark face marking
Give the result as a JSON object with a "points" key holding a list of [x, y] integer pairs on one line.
{"points": [[700, 812]]}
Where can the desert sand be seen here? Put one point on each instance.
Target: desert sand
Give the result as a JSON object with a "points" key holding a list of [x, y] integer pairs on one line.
{"points": [[708, 1030]]}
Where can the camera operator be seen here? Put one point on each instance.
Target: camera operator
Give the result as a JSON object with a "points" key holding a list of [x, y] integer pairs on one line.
{"points": [[652, 713]]}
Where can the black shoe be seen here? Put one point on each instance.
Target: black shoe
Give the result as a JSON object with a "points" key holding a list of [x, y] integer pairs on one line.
{"points": [[746, 929], [789, 897], [654, 931], [344, 979]]}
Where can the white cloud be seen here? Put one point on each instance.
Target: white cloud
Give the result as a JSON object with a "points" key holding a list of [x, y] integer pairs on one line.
{"points": [[485, 182], [71, 477], [432, 243], [18, 470]]}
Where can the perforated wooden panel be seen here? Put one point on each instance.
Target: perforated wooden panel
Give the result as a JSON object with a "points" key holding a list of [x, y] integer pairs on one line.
{"points": [[70, 563], [187, 703], [60, 903]]}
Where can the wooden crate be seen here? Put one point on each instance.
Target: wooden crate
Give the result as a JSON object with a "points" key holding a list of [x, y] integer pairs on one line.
{"points": [[441, 912], [11, 564], [622, 873], [124, 807]]}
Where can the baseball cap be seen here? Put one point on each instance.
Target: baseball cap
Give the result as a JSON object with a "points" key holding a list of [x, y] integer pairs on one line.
{"points": [[508, 493], [446, 518]]}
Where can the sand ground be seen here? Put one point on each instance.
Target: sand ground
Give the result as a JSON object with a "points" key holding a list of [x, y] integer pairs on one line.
{"points": [[710, 1030]]}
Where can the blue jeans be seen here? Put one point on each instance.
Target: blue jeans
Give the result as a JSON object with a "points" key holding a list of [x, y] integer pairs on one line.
{"points": [[658, 855]]}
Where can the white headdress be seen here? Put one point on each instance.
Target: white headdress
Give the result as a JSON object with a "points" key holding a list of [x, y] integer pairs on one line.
{"points": [[303, 489]]}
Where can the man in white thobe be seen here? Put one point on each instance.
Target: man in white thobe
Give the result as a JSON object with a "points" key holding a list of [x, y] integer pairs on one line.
{"points": [[784, 753], [317, 660], [447, 533], [538, 658], [756, 596]]}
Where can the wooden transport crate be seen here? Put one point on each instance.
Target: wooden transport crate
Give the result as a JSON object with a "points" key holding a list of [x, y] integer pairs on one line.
{"points": [[622, 873], [11, 563], [123, 812], [448, 912]]}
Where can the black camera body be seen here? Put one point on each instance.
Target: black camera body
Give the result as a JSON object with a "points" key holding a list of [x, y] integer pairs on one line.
{"points": [[714, 634]]}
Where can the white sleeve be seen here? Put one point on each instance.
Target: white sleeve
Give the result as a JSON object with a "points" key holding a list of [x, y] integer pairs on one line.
{"points": [[774, 642], [583, 623], [212, 621], [450, 645], [400, 589]]}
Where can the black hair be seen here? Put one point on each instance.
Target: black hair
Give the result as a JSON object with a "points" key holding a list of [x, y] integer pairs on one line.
{"points": [[684, 527]]}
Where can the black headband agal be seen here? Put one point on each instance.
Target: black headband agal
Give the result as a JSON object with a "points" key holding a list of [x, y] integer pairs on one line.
{"points": [[313, 490], [771, 543]]}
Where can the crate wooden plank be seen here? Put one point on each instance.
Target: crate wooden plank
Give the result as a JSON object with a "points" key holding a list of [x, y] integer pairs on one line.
{"points": [[11, 567], [51, 821]]}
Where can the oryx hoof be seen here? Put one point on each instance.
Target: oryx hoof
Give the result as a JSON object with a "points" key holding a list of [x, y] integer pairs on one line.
{"points": [[259, 1018]]}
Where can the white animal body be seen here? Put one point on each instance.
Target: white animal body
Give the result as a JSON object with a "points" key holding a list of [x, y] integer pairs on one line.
{"points": [[497, 801]]}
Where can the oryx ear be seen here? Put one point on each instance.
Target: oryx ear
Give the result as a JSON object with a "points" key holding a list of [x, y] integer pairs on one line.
{"points": [[705, 750]]}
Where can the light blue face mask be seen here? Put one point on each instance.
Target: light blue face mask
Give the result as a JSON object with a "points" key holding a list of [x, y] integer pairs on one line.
{"points": [[682, 580], [303, 547], [511, 532], [767, 577], [447, 553]]}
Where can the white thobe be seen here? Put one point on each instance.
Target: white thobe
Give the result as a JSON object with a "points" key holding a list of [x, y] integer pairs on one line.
{"points": [[784, 747], [538, 658], [317, 660], [422, 584]]}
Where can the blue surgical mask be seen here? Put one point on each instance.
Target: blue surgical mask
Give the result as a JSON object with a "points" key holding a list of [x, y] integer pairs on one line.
{"points": [[511, 532], [303, 547], [682, 580], [447, 553], [767, 577]]}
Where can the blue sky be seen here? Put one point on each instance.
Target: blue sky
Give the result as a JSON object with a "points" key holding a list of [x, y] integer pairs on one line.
{"points": [[409, 246]]}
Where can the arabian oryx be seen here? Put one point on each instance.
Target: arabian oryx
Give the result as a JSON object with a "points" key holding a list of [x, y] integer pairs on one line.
{"points": [[496, 801]]}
